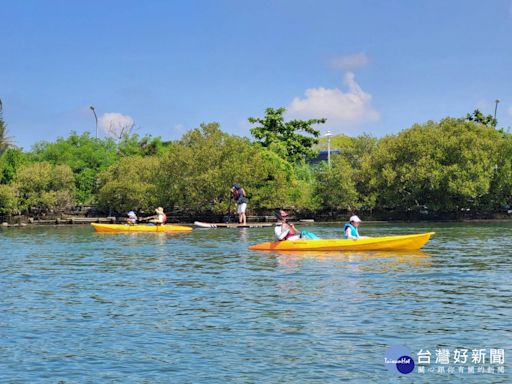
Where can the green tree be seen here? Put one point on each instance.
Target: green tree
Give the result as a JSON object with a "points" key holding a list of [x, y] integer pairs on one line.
{"points": [[88, 156], [336, 186], [273, 131], [302, 192], [129, 184], [43, 187], [85, 155], [357, 151], [134, 145], [8, 200], [198, 171], [5, 141], [480, 118], [10, 161], [445, 166], [500, 191]]}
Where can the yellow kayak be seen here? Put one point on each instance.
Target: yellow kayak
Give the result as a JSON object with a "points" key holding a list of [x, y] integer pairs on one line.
{"points": [[139, 228], [386, 243]]}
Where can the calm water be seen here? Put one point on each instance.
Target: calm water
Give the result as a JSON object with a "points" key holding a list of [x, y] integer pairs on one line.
{"points": [[199, 307]]}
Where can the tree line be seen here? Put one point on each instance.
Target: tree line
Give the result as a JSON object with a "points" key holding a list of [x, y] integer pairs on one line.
{"points": [[445, 166]]}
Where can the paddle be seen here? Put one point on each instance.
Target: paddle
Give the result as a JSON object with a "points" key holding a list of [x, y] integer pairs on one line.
{"points": [[146, 218], [227, 218]]}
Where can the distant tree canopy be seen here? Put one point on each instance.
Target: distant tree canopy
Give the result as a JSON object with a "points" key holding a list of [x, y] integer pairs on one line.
{"points": [[88, 156], [43, 187], [447, 166], [286, 137], [480, 118], [444, 166]]}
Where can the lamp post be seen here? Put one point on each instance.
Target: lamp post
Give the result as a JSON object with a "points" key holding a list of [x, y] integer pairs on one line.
{"points": [[95, 118], [328, 135], [496, 108]]}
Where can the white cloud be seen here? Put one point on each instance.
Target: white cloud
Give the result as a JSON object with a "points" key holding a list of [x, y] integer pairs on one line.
{"points": [[348, 62], [114, 123], [340, 109]]}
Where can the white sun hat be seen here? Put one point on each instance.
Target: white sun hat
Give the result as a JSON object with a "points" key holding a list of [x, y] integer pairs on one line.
{"points": [[355, 219]]}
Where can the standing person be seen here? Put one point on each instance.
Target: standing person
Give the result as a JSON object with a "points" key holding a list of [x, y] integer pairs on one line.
{"points": [[350, 230], [240, 197]]}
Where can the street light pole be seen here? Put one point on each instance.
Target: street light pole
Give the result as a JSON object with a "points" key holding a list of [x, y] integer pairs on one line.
{"points": [[95, 118], [496, 108], [328, 135]]}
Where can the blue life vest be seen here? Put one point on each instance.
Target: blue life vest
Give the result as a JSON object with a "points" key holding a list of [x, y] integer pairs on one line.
{"points": [[353, 231]]}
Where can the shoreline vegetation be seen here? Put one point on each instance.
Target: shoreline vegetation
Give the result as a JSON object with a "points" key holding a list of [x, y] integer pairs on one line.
{"points": [[20, 221], [454, 169]]}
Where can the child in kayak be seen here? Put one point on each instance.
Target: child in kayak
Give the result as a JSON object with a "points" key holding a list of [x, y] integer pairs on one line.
{"points": [[350, 230], [287, 231], [132, 218]]}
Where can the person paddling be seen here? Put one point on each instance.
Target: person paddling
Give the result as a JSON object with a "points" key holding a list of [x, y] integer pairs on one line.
{"points": [[160, 218], [284, 230], [350, 230], [287, 231]]}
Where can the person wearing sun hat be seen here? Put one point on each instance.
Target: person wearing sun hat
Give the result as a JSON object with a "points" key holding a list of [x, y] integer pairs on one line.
{"points": [[160, 217], [350, 230]]}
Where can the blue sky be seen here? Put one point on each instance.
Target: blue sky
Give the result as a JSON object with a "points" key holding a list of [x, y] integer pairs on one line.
{"points": [[167, 66]]}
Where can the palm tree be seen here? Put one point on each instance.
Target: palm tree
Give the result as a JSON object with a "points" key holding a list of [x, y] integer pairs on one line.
{"points": [[5, 141]]}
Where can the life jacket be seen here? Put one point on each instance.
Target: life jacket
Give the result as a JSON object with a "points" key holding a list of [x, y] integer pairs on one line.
{"points": [[353, 230]]}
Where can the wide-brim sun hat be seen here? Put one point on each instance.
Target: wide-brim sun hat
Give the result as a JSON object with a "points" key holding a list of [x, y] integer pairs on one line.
{"points": [[159, 210], [355, 219], [132, 214]]}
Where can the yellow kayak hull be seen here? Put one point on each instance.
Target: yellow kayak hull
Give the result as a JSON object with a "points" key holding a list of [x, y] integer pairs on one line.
{"points": [[139, 228], [387, 243]]}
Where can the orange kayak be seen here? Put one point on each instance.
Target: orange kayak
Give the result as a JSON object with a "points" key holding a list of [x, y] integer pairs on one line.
{"points": [[386, 243], [139, 228]]}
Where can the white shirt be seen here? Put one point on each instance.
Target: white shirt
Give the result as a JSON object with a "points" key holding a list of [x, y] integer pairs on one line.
{"points": [[281, 234]]}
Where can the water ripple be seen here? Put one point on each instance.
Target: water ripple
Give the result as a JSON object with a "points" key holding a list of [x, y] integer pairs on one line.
{"points": [[200, 307]]}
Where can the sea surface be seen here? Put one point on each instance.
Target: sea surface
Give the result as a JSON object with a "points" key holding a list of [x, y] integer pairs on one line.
{"points": [[81, 307]]}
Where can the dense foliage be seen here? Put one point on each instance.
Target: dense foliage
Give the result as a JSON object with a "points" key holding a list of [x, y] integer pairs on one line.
{"points": [[290, 138], [447, 166]]}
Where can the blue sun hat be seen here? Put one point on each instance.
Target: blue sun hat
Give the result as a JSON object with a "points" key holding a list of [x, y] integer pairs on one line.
{"points": [[236, 186]]}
